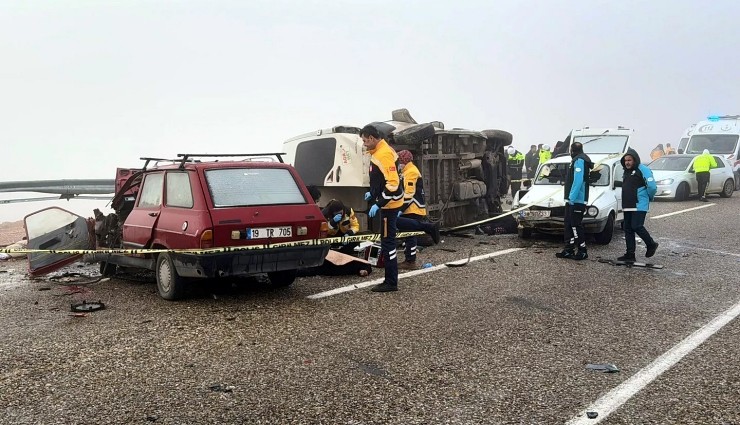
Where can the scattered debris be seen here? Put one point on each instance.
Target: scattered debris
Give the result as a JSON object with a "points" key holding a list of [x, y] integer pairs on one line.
{"points": [[85, 306], [78, 314], [448, 249], [426, 265], [223, 388], [603, 367], [592, 415], [45, 288], [457, 264], [151, 418]]}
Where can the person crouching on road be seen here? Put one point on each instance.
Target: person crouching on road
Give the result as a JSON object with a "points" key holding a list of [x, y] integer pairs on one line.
{"points": [[638, 189], [413, 214], [342, 222], [702, 164], [576, 197], [386, 195]]}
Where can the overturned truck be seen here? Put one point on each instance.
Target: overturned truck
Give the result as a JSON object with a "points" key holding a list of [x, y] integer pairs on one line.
{"points": [[464, 171]]}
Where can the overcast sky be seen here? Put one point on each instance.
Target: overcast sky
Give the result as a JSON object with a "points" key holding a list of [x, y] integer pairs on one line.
{"points": [[87, 86]]}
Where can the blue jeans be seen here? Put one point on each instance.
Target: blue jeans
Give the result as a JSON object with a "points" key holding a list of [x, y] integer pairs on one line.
{"points": [[634, 222], [388, 245]]}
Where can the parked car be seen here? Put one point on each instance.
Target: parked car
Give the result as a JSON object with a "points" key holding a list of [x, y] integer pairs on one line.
{"points": [[192, 204], [676, 179]]}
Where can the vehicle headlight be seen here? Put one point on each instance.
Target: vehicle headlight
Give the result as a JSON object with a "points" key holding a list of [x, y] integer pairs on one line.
{"points": [[592, 211], [664, 182]]}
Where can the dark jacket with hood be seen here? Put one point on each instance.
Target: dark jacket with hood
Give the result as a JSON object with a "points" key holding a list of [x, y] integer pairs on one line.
{"points": [[576, 180], [638, 185]]}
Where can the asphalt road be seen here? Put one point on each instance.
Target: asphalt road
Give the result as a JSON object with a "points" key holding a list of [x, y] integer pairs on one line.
{"points": [[504, 339]]}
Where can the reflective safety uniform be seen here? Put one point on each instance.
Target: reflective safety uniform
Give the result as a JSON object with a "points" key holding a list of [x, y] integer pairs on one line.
{"points": [[413, 198], [704, 162], [348, 225], [386, 191], [385, 182], [545, 156]]}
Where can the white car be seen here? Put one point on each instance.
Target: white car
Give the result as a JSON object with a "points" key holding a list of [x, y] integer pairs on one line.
{"points": [[545, 200], [676, 179]]}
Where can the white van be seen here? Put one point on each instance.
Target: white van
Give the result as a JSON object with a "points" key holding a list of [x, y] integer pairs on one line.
{"points": [[681, 148], [719, 134], [545, 199]]}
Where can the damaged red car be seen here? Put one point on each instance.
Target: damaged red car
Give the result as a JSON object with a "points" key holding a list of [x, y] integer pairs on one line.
{"points": [[225, 206]]}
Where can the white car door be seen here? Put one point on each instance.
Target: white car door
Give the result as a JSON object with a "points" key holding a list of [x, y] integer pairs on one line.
{"points": [[716, 176]]}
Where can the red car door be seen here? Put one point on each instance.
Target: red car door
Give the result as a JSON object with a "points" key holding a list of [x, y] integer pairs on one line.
{"points": [[140, 223]]}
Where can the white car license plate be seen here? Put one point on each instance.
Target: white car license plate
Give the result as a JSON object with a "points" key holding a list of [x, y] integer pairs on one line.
{"points": [[270, 232], [534, 214]]}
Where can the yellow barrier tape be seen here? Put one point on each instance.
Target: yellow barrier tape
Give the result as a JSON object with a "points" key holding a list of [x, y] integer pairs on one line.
{"points": [[307, 242]]}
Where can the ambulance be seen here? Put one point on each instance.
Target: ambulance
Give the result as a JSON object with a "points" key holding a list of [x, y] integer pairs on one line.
{"points": [[719, 135]]}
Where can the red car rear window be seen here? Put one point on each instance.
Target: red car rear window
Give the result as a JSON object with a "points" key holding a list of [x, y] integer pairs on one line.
{"points": [[236, 187]]}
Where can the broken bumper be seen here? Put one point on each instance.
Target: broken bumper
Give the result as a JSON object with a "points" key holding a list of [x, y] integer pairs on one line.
{"points": [[249, 262], [556, 225]]}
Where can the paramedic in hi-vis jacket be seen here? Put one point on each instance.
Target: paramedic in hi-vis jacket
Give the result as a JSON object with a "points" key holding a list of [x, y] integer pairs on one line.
{"points": [[412, 216], [386, 195]]}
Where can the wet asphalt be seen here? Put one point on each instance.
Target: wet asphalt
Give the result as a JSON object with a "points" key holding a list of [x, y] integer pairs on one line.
{"points": [[501, 340]]}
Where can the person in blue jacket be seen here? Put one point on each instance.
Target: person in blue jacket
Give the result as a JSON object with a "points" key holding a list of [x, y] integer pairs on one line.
{"points": [[576, 197], [638, 189]]}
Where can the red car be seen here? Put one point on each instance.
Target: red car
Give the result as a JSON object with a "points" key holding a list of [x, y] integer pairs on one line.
{"points": [[192, 204]]}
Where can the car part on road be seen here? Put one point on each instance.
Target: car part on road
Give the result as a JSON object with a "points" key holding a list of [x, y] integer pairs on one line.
{"points": [[631, 263], [603, 367], [86, 307], [591, 415]]}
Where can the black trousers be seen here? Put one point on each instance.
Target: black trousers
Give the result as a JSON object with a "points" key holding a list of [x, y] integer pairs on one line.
{"points": [[702, 178], [388, 245], [634, 222], [575, 235], [412, 223]]}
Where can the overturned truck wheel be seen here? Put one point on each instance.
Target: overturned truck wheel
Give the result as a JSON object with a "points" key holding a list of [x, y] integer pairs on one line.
{"points": [[498, 138], [414, 135]]}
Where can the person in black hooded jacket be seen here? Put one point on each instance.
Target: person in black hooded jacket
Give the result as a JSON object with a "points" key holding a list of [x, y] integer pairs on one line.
{"points": [[576, 198], [638, 189]]}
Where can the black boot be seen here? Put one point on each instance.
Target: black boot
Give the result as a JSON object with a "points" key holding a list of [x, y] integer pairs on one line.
{"points": [[651, 249], [566, 253], [384, 287], [582, 254], [628, 257]]}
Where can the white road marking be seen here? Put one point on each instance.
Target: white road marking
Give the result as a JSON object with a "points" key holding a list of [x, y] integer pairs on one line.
{"points": [[612, 400], [682, 211], [409, 274]]}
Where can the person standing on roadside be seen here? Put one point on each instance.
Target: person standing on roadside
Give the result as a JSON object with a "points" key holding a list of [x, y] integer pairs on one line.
{"points": [[413, 215], [702, 164], [386, 195], [531, 161], [545, 154], [657, 152], [638, 190], [576, 197], [515, 164]]}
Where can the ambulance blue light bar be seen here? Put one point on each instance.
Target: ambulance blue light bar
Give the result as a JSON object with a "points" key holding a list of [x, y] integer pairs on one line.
{"points": [[713, 118]]}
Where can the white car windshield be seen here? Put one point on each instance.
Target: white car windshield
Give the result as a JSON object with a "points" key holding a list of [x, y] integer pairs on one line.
{"points": [[602, 144], [668, 163], [554, 174]]}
